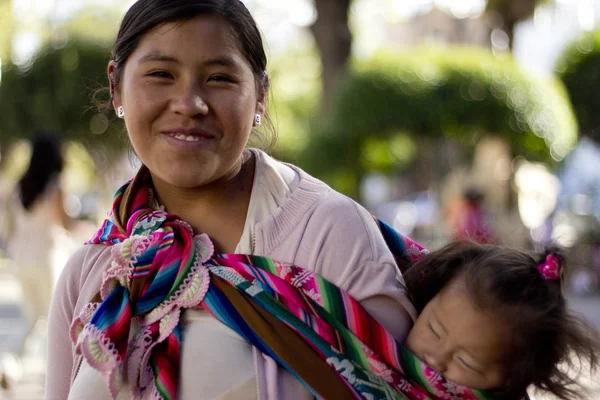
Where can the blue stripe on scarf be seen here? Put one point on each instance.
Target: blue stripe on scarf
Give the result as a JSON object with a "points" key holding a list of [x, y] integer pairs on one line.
{"points": [[155, 294], [393, 240], [111, 307]]}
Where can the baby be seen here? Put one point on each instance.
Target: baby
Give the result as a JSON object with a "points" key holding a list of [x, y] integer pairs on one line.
{"points": [[493, 318]]}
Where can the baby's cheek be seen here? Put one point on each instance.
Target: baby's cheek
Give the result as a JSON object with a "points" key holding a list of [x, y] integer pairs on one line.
{"points": [[415, 342], [458, 375], [473, 380], [408, 343]]}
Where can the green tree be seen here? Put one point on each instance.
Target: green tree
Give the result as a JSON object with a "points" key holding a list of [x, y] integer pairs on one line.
{"points": [[295, 97], [389, 103], [579, 69], [98, 24], [334, 38], [54, 93]]}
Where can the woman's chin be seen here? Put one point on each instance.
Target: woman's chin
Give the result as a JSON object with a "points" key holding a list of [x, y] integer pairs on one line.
{"points": [[182, 178]]}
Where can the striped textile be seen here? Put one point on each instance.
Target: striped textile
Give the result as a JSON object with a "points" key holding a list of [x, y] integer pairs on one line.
{"points": [[159, 268], [356, 346]]}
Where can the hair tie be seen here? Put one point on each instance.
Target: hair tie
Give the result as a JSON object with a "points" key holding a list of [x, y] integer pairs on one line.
{"points": [[550, 269]]}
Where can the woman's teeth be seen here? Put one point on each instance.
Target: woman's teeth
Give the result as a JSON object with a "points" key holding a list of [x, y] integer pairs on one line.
{"points": [[186, 137]]}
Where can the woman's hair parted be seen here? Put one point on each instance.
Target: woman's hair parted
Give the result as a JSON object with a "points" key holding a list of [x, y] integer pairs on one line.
{"points": [[145, 15], [507, 282]]}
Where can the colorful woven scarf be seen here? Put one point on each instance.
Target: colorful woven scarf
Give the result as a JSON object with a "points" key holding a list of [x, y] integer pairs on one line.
{"points": [[307, 325]]}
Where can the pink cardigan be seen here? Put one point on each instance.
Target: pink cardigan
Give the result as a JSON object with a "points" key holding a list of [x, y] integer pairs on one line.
{"points": [[315, 227]]}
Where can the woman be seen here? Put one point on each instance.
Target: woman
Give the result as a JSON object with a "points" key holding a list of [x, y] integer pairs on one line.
{"points": [[189, 79], [34, 224], [38, 224]]}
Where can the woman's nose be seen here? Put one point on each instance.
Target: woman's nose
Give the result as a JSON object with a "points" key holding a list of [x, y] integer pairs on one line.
{"points": [[190, 103]]}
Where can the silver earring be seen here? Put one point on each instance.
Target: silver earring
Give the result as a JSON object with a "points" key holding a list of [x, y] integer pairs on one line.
{"points": [[257, 119], [120, 112]]}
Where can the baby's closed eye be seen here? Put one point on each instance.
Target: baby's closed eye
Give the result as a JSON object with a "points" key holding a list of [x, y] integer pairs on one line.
{"points": [[469, 365]]}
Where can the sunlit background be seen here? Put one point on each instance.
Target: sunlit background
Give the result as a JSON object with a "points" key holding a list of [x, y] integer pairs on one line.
{"points": [[432, 102]]}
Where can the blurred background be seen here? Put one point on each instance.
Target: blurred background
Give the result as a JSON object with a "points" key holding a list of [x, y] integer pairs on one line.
{"points": [[445, 118]]}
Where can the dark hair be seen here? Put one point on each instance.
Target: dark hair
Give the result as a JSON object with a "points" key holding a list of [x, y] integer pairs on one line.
{"points": [[473, 195], [507, 281], [46, 163], [144, 15]]}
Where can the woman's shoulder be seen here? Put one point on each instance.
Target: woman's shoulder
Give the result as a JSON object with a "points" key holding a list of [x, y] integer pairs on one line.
{"points": [[87, 258], [334, 221], [317, 217], [337, 211], [81, 276], [348, 225]]}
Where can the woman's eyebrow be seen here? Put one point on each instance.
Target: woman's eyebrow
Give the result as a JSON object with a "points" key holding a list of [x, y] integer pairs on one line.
{"points": [[155, 56], [223, 61]]}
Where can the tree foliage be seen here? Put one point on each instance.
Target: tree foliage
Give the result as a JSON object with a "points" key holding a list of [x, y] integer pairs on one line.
{"points": [[54, 93], [7, 22], [579, 69], [458, 93]]}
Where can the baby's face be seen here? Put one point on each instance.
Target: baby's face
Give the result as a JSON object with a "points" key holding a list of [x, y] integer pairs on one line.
{"points": [[468, 346]]}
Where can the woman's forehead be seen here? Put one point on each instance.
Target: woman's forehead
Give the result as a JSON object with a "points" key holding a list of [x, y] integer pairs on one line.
{"points": [[202, 37]]}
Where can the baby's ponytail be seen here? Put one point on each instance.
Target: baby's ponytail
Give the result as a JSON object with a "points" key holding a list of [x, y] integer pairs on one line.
{"points": [[552, 266]]}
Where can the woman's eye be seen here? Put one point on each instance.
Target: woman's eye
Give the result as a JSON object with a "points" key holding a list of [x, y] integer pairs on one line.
{"points": [[160, 74], [220, 78]]}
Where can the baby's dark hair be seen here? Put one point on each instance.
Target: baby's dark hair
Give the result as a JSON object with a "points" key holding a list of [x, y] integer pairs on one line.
{"points": [[547, 337]]}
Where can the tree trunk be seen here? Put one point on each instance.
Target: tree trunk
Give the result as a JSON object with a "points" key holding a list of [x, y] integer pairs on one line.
{"points": [[334, 40], [511, 12], [509, 28], [5, 148]]}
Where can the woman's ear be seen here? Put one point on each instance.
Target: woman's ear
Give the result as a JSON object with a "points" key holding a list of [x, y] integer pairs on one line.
{"points": [[261, 103], [113, 85]]}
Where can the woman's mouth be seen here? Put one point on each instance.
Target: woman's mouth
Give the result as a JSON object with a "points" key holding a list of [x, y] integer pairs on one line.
{"points": [[188, 135], [187, 138]]}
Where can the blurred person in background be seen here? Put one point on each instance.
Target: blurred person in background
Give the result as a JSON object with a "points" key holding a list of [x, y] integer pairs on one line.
{"points": [[469, 220], [39, 223], [35, 228]]}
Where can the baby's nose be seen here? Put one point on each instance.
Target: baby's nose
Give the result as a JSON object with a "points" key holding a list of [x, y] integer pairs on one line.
{"points": [[436, 363]]}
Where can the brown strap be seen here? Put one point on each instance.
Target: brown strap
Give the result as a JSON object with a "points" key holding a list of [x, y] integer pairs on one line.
{"points": [[288, 345], [128, 197]]}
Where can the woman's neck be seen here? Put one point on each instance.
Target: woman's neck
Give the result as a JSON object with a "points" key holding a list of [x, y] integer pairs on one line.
{"points": [[218, 209]]}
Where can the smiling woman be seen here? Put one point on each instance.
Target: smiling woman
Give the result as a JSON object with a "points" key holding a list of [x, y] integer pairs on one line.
{"points": [[129, 316], [189, 104]]}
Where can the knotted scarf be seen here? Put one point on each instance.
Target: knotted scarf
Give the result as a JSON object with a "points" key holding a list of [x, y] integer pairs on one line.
{"points": [[309, 326]]}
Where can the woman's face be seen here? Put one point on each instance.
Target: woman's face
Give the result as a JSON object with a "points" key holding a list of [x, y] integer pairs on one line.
{"points": [[190, 99], [468, 346]]}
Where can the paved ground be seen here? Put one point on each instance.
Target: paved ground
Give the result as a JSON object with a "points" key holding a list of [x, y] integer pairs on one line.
{"points": [[30, 371], [589, 307]]}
